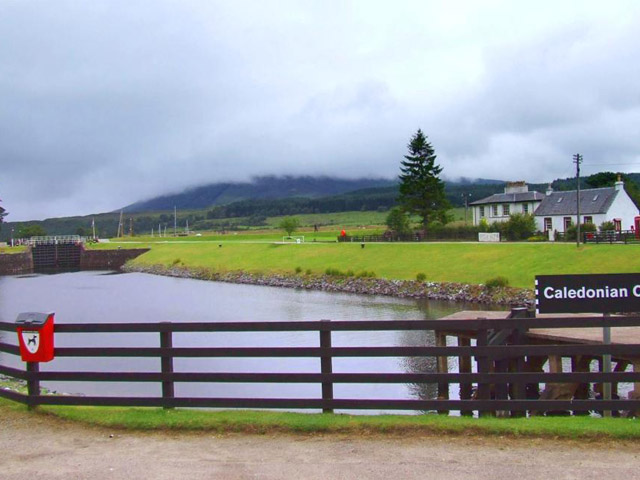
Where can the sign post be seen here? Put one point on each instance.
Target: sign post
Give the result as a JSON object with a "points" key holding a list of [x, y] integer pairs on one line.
{"points": [[601, 293]]}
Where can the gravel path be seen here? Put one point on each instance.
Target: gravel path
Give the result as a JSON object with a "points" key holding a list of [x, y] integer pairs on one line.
{"points": [[37, 447]]}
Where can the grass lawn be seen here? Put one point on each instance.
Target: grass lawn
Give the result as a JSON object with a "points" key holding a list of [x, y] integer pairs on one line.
{"points": [[10, 250], [272, 422], [472, 263]]}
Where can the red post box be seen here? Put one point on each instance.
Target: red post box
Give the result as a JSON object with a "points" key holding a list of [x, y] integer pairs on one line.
{"points": [[35, 335]]}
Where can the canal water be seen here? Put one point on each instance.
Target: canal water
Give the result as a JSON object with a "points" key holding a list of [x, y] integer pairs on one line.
{"points": [[103, 297]]}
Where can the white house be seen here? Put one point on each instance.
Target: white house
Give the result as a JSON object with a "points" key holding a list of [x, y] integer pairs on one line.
{"points": [[497, 208], [558, 210]]}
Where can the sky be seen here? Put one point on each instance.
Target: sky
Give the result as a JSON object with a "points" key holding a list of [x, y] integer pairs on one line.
{"points": [[104, 103]]}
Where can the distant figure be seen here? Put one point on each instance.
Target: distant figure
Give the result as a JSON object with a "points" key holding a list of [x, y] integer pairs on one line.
{"points": [[315, 227], [343, 233]]}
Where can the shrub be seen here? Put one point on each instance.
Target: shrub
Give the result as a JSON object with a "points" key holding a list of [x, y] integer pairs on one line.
{"points": [[607, 226], [366, 274], [435, 225], [421, 277], [519, 226], [572, 231], [398, 221], [334, 272], [298, 270], [176, 261], [497, 282], [308, 272]]}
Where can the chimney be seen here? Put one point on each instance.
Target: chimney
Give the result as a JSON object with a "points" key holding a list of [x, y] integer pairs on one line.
{"points": [[516, 187], [619, 184], [549, 190]]}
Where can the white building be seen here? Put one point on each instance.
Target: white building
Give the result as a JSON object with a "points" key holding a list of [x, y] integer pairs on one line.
{"points": [[558, 210], [497, 208]]}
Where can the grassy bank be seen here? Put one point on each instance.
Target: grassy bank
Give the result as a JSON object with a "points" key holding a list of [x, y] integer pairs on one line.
{"points": [[471, 263], [274, 422]]}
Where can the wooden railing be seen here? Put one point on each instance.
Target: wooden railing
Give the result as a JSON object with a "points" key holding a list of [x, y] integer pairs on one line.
{"points": [[499, 383]]}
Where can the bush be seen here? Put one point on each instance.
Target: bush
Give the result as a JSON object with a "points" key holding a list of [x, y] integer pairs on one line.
{"points": [[421, 277], [366, 274], [308, 272], [176, 261], [520, 226], [607, 227], [572, 231], [334, 272], [497, 282], [298, 270], [398, 222], [537, 238]]}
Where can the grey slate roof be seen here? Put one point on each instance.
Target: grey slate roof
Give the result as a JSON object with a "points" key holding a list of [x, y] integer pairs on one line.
{"points": [[510, 198], [592, 201]]}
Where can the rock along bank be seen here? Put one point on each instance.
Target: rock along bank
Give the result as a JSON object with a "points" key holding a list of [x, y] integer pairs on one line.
{"points": [[455, 292]]}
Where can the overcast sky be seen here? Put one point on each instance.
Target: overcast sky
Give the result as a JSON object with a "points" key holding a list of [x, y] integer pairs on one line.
{"points": [[103, 103]]}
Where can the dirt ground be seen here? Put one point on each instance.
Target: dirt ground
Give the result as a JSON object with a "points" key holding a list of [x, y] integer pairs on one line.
{"points": [[37, 447]]}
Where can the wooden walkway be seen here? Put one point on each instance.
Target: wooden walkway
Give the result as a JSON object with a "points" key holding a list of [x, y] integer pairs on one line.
{"points": [[551, 336]]}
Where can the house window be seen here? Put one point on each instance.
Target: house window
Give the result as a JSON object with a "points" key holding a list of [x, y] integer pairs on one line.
{"points": [[481, 212], [547, 224], [567, 223], [588, 220], [495, 210], [525, 208], [505, 210]]}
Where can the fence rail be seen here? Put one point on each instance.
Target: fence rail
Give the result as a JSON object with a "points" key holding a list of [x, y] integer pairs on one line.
{"points": [[429, 236], [624, 236], [500, 382]]}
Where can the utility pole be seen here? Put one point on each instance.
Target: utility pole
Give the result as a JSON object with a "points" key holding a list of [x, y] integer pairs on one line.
{"points": [[466, 197], [175, 222], [577, 159], [120, 227]]}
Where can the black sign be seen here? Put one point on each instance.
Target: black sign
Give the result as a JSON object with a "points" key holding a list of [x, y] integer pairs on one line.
{"points": [[588, 293]]}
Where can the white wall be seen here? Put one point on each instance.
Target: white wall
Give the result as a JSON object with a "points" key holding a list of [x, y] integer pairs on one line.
{"points": [[513, 208], [622, 207]]}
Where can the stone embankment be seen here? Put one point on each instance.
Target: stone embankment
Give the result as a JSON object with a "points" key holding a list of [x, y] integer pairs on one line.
{"points": [[455, 292], [16, 263]]}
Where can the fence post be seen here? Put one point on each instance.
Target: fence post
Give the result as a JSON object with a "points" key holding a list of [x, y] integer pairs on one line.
{"points": [[326, 364], [518, 389], [166, 364], [484, 389], [442, 367], [464, 362], [33, 384]]}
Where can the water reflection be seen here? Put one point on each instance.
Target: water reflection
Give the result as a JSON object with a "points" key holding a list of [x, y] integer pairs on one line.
{"points": [[98, 297], [421, 391]]}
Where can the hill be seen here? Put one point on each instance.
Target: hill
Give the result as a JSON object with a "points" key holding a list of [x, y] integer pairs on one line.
{"points": [[268, 187], [265, 197]]}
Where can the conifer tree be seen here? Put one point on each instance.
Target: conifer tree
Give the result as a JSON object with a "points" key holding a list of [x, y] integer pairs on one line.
{"points": [[421, 190], [3, 213]]}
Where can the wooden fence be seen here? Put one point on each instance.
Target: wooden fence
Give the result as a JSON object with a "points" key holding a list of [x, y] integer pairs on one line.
{"points": [[496, 388]]}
